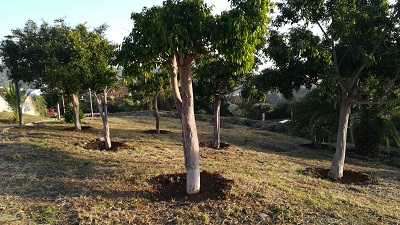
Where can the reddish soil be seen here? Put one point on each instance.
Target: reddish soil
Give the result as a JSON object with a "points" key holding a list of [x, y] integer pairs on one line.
{"points": [[99, 145], [349, 176], [155, 132], [208, 144], [173, 187]]}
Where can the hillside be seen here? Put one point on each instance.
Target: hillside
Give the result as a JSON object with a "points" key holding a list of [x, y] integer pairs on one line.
{"points": [[50, 177]]}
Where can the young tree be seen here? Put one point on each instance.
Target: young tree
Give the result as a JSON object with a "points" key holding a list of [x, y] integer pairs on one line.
{"points": [[214, 78], [102, 76], [356, 39], [149, 86], [176, 34]]}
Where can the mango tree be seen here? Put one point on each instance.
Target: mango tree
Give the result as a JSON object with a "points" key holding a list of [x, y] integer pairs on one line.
{"points": [[102, 76], [177, 33], [213, 79], [345, 58]]}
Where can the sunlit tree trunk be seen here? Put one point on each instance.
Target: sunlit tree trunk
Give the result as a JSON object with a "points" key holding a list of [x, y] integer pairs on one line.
{"points": [[190, 139], [156, 113], [102, 105], [336, 171], [217, 121], [185, 106], [75, 109]]}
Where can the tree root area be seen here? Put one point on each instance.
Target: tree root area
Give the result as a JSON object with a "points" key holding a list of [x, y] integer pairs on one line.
{"points": [[171, 187], [100, 145], [155, 132], [208, 144], [349, 176], [83, 128]]}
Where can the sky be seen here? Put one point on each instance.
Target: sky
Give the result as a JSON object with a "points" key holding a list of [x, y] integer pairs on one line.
{"points": [[115, 13]]}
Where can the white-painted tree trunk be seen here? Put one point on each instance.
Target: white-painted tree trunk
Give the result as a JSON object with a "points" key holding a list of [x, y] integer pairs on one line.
{"points": [[102, 105], [75, 110], [190, 139], [185, 106], [336, 171], [217, 121]]}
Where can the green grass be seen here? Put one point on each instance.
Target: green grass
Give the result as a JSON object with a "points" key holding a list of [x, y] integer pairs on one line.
{"points": [[47, 177]]}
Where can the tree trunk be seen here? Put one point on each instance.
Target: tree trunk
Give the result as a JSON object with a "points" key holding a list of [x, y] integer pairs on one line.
{"points": [[173, 70], [102, 105], [217, 121], [189, 130], [336, 171], [156, 113], [19, 108], [75, 106]]}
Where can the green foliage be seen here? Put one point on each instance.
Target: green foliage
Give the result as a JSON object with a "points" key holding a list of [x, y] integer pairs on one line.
{"points": [[69, 114], [10, 96], [280, 111], [40, 104], [373, 126], [315, 117]]}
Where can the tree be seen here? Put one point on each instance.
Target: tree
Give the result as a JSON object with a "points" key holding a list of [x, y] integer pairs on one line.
{"points": [[179, 31], [214, 78], [11, 96], [357, 39], [55, 55], [102, 76], [150, 84]]}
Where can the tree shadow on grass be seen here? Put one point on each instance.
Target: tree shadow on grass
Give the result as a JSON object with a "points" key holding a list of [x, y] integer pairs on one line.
{"points": [[30, 170]]}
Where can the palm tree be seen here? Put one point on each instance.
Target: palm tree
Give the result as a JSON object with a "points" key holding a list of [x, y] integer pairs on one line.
{"points": [[10, 96], [373, 125], [316, 117]]}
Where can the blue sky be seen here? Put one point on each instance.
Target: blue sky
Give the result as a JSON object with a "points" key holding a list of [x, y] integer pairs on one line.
{"points": [[116, 13]]}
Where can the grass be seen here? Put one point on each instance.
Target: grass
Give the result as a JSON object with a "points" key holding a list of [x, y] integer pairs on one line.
{"points": [[48, 177]]}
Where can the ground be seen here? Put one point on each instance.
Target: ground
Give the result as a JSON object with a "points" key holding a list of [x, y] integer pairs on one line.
{"points": [[49, 176]]}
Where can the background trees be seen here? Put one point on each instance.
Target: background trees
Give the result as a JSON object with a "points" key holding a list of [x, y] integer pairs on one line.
{"points": [[357, 37], [63, 58]]}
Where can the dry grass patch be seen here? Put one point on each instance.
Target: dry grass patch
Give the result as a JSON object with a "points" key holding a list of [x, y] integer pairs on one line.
{"points": [[49, 177]]}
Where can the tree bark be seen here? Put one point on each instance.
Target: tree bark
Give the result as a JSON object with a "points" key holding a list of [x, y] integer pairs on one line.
{"points": [[189, 130], [217, 121], [75, 109], [336, 171], [156, 113], [102, 105], [173, 70], [19, 108]]}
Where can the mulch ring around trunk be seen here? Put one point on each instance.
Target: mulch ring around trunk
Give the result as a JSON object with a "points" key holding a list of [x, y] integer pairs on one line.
{"points": [[172, 187], [155, 132], [208, 144], [100, 145], [83, 128], [349, 176]]}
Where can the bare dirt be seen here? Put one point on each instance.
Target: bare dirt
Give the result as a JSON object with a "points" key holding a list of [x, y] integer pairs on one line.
{"points": [[208, 144], [155, 132], [173, 187], [100, 145], [349, 176]]}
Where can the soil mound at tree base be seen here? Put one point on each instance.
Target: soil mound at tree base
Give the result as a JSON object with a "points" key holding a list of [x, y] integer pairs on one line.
{"points": [[208, 144], [83, 128], [349, 176], [100, 145], [173, 187], [155, 132]]}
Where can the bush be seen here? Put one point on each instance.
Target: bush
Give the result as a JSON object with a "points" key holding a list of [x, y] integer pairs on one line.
{"points": [[69, 114], [40, 104]]}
